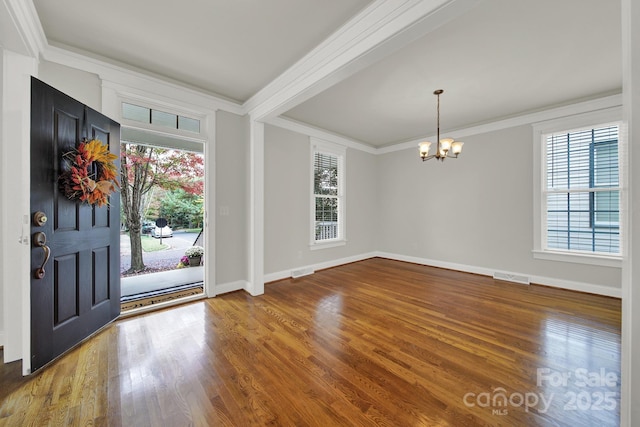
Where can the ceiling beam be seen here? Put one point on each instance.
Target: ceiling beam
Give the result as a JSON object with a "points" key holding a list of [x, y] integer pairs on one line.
{"points": [[379, 30]]}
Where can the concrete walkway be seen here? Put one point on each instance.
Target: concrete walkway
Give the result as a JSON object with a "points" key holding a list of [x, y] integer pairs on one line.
{"points": [[158, 259], [133, 285]]}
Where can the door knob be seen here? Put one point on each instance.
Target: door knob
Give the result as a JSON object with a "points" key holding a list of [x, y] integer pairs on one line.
{"points": [[39, 219], [40, 240]]}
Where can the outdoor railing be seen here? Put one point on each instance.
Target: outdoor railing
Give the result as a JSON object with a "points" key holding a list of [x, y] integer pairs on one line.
{"points": [[326, 230]]}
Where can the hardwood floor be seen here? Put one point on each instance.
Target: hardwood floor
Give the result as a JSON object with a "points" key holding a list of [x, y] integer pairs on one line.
{"points": [[376, 342]]}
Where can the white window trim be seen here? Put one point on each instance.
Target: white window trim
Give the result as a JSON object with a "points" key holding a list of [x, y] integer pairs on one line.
{"points": [[322, 146], [579, 121], [184, 103], [168, 137], [164, 106]]}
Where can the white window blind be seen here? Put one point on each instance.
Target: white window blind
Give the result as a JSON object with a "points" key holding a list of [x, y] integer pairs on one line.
{"points": [[582, 190]]}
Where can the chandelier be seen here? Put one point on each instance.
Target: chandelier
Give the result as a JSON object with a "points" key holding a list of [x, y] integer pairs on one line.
{"points": [[445, 147]]}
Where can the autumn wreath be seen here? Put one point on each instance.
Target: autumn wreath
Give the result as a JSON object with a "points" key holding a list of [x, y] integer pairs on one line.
{"points": [[92, 175]]}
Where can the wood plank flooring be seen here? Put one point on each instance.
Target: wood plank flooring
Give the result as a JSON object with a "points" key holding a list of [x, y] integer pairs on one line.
{"points": [[376, 342]]}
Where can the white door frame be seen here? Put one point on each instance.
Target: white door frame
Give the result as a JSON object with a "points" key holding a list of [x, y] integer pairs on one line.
{"points": [[114, 94]]}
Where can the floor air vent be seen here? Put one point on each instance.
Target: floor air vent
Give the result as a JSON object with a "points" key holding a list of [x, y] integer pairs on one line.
{"points": [[302, 272], [523, 280]]}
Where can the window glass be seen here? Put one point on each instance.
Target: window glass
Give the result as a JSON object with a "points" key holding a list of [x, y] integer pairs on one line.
{"points": [[161, 118], [135, 112], [325, 184], [188, 124], [582, 190], [327, 198]]}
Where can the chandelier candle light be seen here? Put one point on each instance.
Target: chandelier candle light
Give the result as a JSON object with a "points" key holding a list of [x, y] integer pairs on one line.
{"points": [[444, 146]]}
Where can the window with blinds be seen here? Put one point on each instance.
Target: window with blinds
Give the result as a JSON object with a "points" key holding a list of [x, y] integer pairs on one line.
{"points": [[327, 196], [582, 190]]}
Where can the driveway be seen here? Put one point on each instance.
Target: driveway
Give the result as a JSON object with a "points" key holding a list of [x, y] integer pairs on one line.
{"points": [[166, 258]]}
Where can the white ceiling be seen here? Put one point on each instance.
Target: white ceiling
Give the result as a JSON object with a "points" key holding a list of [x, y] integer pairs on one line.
{"points": [[231, 48], [501, 58]]}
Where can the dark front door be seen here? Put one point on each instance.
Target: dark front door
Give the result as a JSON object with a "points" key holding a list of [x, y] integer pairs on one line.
{"points": [[79, 290]]}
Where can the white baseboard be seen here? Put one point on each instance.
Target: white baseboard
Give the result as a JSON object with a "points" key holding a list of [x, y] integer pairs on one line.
{"points": [[272, 277], [590, 288], [541, 280], [231, 287], [436, 263]]}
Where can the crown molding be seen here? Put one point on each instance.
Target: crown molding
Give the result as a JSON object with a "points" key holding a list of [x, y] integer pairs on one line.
{"points": [[28, 37], [524, 119], [138, 81], [380, 29], [19, 20], [314, 132], [535, 119]]}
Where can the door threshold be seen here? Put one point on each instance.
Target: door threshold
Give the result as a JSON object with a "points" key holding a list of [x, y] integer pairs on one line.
{"points": [[156, 293], [139, 307]]}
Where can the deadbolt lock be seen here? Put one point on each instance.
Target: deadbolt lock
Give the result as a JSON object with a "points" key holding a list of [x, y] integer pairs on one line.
{"points": [[39, 218]]}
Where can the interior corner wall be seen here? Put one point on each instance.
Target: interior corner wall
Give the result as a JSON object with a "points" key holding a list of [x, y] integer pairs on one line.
{"points": [[231, 193], [84, 86], [474, 211], [287, 185]]}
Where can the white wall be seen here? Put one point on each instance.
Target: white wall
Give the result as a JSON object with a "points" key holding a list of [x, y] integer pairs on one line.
{"points": [[288, 204], [81, 85], [475, 211], [232, 172]]}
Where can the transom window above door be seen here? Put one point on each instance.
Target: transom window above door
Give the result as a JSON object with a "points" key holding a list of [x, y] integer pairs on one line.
{"points": [[159, 118]]}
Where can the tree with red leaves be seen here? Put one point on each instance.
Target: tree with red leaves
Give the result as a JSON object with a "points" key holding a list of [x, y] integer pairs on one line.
{"points": [[142, 168]]}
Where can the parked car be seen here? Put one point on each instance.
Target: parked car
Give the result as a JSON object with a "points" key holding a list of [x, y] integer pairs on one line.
{"points": [[147, 227], [162, 232]]}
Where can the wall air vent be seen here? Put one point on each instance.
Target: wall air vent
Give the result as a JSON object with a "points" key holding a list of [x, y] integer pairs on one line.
{"points": [[516, 278]]}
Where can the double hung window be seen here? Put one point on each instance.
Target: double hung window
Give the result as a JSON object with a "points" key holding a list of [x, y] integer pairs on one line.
{"points": [[582, 191], [327, 202], [579, 195]]}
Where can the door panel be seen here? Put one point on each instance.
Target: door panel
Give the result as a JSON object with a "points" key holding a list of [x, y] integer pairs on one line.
{"points": [[100, 281], [80, 291], [65, 289]]}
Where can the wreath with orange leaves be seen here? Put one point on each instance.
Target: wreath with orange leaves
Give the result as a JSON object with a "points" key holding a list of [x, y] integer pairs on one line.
{"points": [[92, 175]]}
